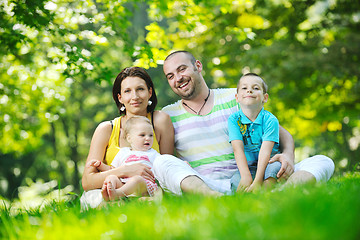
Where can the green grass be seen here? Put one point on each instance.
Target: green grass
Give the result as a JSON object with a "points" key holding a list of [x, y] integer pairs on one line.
{"points": [[322, 211]]}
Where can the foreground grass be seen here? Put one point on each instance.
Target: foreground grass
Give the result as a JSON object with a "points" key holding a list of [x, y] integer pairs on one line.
{"points": [[324, 211]]}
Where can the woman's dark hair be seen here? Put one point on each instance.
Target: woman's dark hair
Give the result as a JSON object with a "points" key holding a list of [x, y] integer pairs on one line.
{"points": [[133, 72]]}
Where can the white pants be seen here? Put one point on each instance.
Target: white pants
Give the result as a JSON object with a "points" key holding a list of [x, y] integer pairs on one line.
{"points": [[170, 171], [320, 166]]}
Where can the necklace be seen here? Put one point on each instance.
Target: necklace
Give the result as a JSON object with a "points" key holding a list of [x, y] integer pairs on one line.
{"points": [[198, 113]]}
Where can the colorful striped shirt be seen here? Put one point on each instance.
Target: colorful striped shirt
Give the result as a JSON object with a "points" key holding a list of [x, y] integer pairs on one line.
{"points": [[203, 141]]}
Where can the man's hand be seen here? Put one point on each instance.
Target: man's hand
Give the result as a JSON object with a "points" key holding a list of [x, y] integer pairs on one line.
{"points": [[287, 166], [244, 183]]}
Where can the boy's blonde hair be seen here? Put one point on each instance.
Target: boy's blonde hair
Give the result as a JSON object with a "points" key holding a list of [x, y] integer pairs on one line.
{"points": [[131, 123], [264, 85]]}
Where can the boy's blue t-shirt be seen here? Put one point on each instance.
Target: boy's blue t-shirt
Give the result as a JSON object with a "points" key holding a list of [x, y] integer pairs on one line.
{"points": [[264, 128]]}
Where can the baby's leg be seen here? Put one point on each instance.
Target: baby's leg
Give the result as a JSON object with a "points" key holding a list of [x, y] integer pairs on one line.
{"points": [[110, 184], [114, 180], [135, 185]]}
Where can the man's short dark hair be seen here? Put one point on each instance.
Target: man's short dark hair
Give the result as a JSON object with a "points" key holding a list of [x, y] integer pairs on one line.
{"points": [[188, 54]]}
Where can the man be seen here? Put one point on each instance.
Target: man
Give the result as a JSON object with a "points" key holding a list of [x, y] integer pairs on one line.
{"points": [[201, 134]]}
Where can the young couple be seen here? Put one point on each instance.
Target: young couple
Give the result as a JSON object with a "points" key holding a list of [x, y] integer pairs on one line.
{"points": [[198, 128]]}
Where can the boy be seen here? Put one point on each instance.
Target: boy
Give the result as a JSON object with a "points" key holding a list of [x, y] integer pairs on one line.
{"points": [[254, 136]]}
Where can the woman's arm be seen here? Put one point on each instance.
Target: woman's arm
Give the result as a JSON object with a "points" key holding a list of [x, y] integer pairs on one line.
{"points": [[164, 131], [99, 142], [92, 178]]}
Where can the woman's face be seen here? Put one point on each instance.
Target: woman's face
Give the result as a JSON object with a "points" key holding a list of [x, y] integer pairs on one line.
{"points": [[135, 95]]}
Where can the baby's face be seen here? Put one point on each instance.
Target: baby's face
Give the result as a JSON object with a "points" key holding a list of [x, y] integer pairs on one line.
{"points": [[141, 137]]}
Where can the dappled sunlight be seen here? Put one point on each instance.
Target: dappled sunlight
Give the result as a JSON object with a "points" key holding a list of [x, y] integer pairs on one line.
{"points": [[38, 195], [59, 59]]}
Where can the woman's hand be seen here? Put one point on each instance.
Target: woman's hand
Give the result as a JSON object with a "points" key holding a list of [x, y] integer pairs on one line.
{"points": [[137, 169]]}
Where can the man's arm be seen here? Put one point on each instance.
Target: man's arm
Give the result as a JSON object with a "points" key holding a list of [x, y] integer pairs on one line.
{"points": [[286, 157]]}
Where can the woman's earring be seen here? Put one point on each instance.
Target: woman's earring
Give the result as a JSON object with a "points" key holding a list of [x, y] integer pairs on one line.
{"points": [[149, 102], [122, 108]]}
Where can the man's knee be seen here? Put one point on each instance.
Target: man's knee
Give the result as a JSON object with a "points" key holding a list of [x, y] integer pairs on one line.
{"points": [[300, 177], [320, 166], [191, 182]]}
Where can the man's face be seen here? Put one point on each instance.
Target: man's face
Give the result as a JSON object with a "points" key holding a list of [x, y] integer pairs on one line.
{"points": [[182, 75]]}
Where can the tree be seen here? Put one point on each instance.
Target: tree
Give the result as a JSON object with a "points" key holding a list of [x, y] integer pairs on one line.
{"points": [[59, 59]]}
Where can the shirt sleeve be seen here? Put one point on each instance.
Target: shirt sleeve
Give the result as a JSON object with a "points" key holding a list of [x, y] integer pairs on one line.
{"points": [[119, 158], [271, 129], [234, 127]]}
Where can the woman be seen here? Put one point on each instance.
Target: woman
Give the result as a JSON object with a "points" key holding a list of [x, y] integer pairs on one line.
{"points": [[134, 94]]}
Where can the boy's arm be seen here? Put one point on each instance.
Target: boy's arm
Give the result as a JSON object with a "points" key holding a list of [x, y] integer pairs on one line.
{"points": [[263, 160], [240, 158], [286, 158]]}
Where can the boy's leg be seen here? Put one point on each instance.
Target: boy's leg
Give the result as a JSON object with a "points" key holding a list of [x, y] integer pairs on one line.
{"points": [[270, 174], [234, 182]]}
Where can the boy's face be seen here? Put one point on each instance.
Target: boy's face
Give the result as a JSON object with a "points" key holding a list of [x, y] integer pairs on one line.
{"points": [[141, 137], [251, 91]]}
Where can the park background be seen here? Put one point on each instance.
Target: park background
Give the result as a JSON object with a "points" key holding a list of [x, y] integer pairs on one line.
{"points": [[59, 59]]}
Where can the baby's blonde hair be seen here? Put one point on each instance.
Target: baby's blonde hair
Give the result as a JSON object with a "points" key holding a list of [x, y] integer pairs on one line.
{"points": [[131, 123]]}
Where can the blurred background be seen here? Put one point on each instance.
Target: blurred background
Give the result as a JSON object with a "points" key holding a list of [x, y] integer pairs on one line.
{"points": [[59, 59]]}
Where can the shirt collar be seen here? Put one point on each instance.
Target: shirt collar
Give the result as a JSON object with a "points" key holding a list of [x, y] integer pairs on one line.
{"points": [[246, 120]]}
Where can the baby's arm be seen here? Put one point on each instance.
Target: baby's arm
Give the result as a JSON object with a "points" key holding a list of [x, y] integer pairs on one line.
{"points": [[240, 158], [263, 161], [102, 167]]}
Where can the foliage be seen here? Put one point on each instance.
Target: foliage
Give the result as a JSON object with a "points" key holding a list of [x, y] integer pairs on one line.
{"points": [[311, 212], [308, 51], [59, 58]]}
